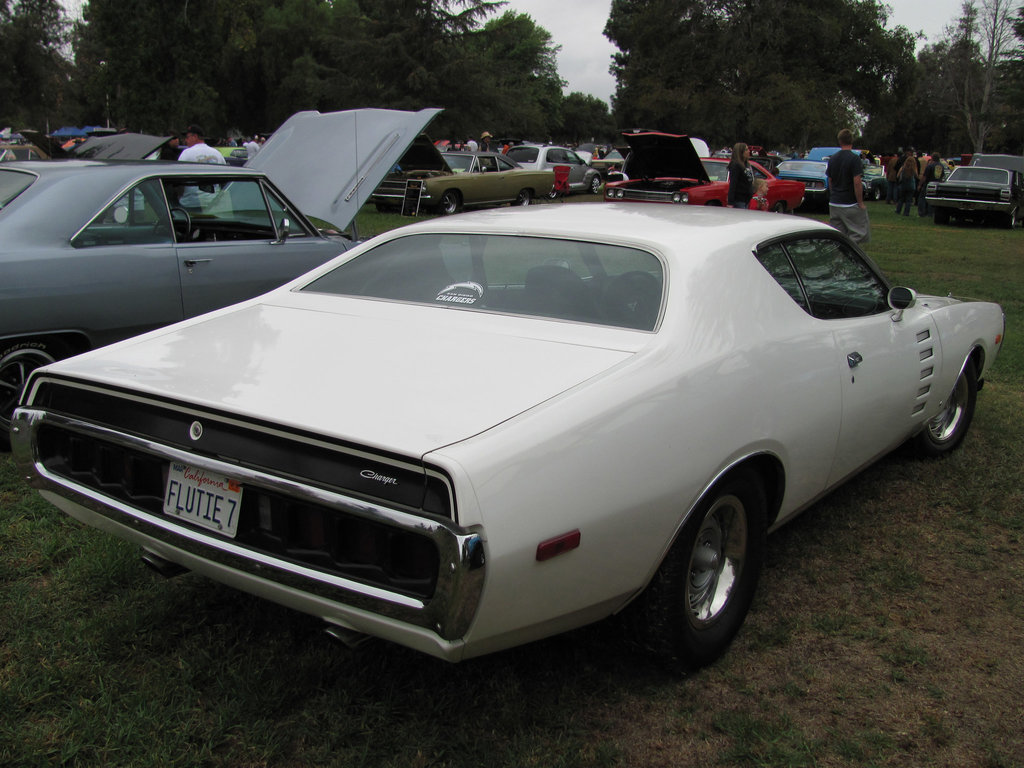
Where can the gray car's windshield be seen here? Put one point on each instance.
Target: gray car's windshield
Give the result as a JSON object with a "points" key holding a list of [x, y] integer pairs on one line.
{"points": [[560, 279], [12, 184]]}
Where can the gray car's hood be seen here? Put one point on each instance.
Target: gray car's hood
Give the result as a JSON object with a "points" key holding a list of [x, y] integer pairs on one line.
{"points": [[329, 164]]}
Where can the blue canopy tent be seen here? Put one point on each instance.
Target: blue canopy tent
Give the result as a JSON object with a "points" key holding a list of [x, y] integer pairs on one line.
{"points": [[69, 132]]}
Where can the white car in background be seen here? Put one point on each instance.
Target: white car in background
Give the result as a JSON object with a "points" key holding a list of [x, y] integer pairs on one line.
{"points": [[480, 430]]}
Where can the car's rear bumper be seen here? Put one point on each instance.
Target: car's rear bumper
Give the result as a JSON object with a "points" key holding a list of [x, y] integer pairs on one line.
{"points": [[970, 205], [434, 624]]}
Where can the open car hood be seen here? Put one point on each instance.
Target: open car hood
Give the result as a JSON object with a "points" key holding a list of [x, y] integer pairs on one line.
{"points": [[329, 164], [662, 155], [123, 146]]}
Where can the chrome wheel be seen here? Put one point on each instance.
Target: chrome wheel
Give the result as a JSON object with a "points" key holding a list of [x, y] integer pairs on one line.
{"points": [[702, 591], [449, 203], [944, 426], [15, 367], [524, 197], [716, 561], [947, 429]]}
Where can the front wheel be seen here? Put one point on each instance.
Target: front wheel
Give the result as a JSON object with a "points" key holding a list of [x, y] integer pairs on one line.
{"points": [[17, 361], [947, 429], [450, 203], [779, 207], [524, 197], [700, 595], [595, 184]]}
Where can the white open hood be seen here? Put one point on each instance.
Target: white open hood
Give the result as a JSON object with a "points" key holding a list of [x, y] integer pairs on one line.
{"points": [[329, 164]]}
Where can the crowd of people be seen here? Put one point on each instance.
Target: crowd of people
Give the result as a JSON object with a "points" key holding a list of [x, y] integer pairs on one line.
{"points": [[908, 173]]}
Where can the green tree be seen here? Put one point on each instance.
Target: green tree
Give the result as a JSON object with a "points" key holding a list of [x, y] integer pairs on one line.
{"points": [[585, 119], [750, 70], [34, 68]]}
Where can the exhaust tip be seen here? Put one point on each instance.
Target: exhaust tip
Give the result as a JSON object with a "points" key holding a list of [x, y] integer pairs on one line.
{"points": [[347, 637], [162, 565]]}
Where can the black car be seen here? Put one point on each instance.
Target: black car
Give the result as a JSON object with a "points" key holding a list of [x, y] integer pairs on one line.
{"points": [[990, 189]]}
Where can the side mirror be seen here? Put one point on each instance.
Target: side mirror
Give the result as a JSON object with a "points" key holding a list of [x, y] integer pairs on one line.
{"points": [[900, 298], [283, 230]]}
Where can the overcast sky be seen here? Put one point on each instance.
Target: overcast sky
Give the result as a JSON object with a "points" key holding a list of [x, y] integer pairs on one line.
{"points": [[577, 26]]}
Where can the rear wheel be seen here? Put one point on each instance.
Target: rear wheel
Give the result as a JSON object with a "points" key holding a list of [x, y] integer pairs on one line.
{"points": [[17, 361], [947, 430], [700, 595]]}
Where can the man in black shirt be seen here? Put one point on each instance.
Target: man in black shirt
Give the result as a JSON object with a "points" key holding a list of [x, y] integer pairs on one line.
{"points": [[847, 211]]}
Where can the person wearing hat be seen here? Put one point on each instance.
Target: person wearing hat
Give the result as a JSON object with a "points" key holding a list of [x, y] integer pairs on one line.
{"points": [[485, 141], [197, 151]]}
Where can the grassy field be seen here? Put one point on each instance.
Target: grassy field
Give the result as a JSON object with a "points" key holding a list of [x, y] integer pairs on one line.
{"points": [[887, 629]]}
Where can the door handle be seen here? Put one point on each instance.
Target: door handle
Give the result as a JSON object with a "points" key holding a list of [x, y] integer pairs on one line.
{"points": [[192, 262], [854, 359]]}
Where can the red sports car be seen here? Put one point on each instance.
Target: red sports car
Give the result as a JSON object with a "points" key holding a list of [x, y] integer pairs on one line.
{"points": [[665, 168]]}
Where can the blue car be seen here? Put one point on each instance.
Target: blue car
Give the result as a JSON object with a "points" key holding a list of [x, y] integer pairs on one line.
{"points": [[813, 174]]}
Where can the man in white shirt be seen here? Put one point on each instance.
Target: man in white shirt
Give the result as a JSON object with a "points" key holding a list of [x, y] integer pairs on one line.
{"points": [[196, 150]]}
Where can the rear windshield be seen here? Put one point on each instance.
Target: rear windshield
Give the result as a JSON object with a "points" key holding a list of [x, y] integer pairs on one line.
{"points": [[523, 154], [558, 279], [12, 184], [806, 166], [987, 175]]}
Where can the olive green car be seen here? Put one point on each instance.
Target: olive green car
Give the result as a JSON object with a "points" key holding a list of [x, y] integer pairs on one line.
{"points": [[445, 183]]}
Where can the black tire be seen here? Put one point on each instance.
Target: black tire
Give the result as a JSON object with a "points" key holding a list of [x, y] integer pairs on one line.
{"points": [[941, 216], [700, 595], [595, 184], [525, 197], [1013, 219], [780, 206], [450, 203], [17, 361], [947, 430]]}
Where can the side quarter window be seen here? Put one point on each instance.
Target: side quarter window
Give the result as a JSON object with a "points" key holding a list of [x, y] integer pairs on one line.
{"points": [[837, 281], [773, 258]]}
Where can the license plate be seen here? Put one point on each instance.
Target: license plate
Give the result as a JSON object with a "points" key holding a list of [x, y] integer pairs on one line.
{"points": [[205, 499]]}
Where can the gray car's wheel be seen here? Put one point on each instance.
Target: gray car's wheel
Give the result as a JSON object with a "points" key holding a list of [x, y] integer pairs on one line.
{"points": [[947, 430], [17, 361], [524, 197], [595, 184], [700, 595], [450, 203]]}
